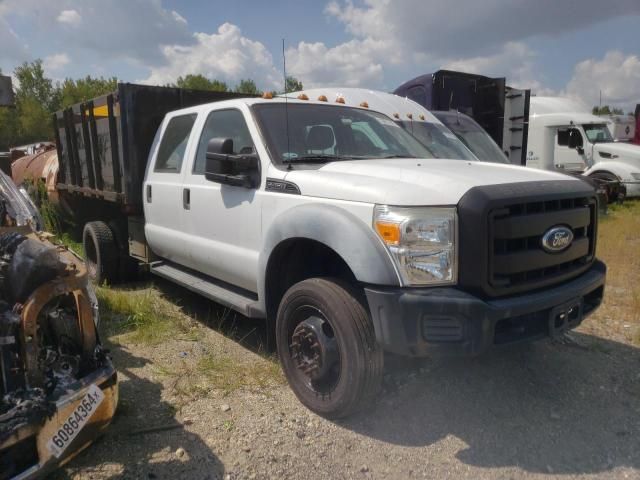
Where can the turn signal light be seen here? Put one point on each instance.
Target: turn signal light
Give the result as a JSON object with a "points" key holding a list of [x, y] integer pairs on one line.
{"points": [[389, 232]]}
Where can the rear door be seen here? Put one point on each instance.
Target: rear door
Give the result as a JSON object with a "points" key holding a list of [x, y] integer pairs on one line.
{"points": [[222, 223], [162, 195]]}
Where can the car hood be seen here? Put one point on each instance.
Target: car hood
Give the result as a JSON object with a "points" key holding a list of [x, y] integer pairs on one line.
{"points": [[405, 181], [622, 152]]}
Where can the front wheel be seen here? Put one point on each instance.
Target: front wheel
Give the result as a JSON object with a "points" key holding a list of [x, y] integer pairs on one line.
{"points": [[327, 347]]}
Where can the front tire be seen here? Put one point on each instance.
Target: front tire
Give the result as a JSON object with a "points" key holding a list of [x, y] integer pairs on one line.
{"points": [[327, 347]]}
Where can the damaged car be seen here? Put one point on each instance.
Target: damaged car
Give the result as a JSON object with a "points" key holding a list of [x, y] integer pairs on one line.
{"points": [[58, 388]]}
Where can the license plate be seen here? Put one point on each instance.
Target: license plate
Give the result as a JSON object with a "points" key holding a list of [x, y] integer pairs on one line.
{"points": [[78, 418]]}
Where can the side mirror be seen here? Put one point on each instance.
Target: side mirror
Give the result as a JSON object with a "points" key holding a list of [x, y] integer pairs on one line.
{"points": [[223, 166], [574, 139]]}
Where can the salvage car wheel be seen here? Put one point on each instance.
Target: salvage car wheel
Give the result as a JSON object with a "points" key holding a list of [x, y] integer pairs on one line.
{"points": [[327, 346], [101, 252]]}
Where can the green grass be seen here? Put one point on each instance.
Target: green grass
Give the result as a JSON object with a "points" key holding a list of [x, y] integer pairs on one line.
{"points": [[141, 316]]}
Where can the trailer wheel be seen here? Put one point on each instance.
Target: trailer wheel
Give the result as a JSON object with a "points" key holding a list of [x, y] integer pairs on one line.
{"points": [[327, 347], [101, 252]]}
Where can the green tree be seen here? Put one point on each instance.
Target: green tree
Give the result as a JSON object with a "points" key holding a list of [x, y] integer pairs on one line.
{"points": [[76, 91], [606, 110], [200, 82], [36, 98], [247, 86], [292, 84]]}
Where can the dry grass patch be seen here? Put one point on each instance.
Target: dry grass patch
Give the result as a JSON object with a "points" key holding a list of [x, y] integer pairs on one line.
{"points": [[619, 248]]}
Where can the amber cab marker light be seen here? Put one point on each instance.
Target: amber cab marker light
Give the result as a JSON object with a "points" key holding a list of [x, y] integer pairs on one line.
{"points": [[267, 95], [396, 115], [302, 96], [389, 232], [364, 105], [340, 100], [421, 117], [409, 116], [322, 98]]}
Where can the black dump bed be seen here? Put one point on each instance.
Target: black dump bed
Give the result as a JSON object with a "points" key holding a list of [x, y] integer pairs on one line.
{"points": [[103, 144]]}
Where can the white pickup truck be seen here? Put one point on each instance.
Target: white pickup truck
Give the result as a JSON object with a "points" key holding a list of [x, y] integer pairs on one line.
{"points": [[335, 223]]}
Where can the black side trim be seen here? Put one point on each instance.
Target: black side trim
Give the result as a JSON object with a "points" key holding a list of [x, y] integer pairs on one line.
{"points": [[282, 186]]}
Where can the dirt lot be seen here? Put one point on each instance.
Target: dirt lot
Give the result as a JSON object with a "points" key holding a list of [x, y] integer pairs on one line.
{"points": [[201, 398]]}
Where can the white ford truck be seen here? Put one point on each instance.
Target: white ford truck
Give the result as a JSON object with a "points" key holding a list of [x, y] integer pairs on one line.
{"points": [[333, 222]]}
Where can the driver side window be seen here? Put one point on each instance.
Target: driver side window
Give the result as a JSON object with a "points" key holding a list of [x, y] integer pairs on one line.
{"points": [[223, 124], [564, 134]]}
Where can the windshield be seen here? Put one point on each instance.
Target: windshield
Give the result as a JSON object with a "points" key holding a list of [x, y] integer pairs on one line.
{"points": [[597, 133], [325, 133], [439, 140], [474, 137]]}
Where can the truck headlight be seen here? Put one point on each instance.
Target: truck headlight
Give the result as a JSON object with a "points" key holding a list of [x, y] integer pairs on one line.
{"points": [[421, 241]]}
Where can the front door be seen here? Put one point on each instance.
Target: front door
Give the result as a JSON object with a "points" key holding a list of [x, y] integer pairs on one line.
{"points": [[568, 154], [222, 222]]}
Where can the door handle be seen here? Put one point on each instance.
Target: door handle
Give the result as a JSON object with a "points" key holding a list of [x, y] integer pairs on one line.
{"points": [[186, 198], [148, 193]]}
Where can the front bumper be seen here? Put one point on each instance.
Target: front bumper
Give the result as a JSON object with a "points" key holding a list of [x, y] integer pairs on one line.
{"points": [[448, 321], [30, 440]]}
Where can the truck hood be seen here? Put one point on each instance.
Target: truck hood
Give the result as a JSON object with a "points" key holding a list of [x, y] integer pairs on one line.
{"points": [[409, 181], [619, 151]]}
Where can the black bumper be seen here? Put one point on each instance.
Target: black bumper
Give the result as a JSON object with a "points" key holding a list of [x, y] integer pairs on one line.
{"points": [[448, 321]]}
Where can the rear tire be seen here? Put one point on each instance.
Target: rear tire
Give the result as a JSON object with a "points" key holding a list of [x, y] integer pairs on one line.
{"points": [[327, 347], [101, 252]]}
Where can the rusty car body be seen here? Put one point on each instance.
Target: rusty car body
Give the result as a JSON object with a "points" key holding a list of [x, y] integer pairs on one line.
{"points": [[58, 388]]}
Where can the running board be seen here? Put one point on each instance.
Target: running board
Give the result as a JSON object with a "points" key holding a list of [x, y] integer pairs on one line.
{"points": [[235, 298]]}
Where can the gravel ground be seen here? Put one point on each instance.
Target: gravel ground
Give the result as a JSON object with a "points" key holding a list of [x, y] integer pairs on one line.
{"points": [[567, 409]]}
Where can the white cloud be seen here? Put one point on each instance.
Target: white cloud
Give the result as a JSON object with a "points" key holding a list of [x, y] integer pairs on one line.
{"points": [[469, 27], [55, 63], [515, 61], [70, 17], [617, 75], [225, 55], [354, 63]]}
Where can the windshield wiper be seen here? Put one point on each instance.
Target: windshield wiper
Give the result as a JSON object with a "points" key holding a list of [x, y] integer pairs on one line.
{"points": [[398, 156], [319, 158]]}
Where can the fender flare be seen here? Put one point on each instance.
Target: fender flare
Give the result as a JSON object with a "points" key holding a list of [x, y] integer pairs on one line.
{"points": [[619, 169], [338, 229]]}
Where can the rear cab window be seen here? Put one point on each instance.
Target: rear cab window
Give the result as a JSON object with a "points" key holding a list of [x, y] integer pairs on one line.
{"points": [[173, 144]]}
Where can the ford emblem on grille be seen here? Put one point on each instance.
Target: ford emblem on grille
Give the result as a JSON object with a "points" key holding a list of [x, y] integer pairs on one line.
{"points": [[557, 239]]}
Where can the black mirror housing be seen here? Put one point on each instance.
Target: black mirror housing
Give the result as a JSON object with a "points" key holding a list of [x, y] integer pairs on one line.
{"points": [[223, 166]]}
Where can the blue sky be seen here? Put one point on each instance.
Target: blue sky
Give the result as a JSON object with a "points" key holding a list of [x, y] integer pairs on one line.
{"points": [[570, 47]]}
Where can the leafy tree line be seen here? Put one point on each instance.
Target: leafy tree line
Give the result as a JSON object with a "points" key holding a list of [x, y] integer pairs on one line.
{"points": [[37, 97], [606, 110]]}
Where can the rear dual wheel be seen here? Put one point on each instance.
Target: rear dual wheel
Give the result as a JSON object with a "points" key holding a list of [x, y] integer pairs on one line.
{"points": [[327, 347]]}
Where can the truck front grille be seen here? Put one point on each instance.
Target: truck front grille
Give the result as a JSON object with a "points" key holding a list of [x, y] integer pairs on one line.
{"points": [[516, 258], [500, 233]]}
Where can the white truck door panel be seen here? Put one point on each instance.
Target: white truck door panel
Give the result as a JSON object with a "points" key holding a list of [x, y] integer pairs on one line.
{"points": [[565, 158], [163, 189], [221, 223]]}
